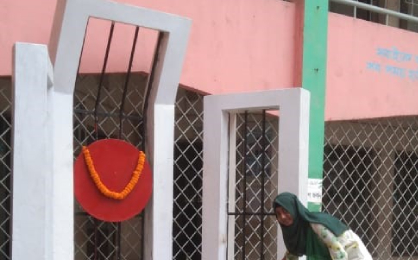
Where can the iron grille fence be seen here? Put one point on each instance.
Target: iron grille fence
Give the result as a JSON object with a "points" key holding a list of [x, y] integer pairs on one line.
{"points": [[371, 182], [188, 168], [5, 170], [370, 179]]}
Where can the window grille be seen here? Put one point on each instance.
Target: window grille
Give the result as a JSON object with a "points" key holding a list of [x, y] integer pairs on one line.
{"points": [[255, 182], [370, 182], [349, 170], [396, 13], [5, 170], [188, 163], [405, 201]]}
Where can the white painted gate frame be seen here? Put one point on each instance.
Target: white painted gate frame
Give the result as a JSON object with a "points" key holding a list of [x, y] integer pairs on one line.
{"points": [[43, 205], [218, 158]]}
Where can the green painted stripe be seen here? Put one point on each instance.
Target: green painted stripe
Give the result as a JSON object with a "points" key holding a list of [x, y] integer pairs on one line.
{"points": [[314, 206], [314, 64]]}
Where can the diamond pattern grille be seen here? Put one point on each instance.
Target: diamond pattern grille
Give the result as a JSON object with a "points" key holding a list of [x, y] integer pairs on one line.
{"points": [[5, 170], [371, 182], [370, 177], [188, 155]]}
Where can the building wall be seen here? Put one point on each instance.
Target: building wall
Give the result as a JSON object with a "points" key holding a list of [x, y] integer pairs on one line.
{"points": [[238, 45], [235, 45], [372, 70]]}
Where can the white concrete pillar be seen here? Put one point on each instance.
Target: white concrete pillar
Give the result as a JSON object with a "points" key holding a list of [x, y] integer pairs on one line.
{"points": [[32, 72], [293, 106]]}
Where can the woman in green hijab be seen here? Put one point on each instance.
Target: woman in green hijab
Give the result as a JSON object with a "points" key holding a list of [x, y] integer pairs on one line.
{"points": [[317, 235]]}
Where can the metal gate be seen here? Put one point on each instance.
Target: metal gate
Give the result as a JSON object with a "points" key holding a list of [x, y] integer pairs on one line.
{"points": [[255, 187]]}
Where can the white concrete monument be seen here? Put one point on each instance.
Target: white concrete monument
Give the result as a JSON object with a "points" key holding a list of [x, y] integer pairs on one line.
{"points": [[43, 215]]}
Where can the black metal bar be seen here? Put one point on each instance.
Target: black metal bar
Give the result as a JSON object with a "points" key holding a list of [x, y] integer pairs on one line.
{"points": [[121, 109], [82, 49], [244, 216], [78, 67], [118, 242], [96, 125], [95, 237], [141, 215], [149, 86], [263, 172], [83, 213], [251, 214], [99, 90], [128, 76]]}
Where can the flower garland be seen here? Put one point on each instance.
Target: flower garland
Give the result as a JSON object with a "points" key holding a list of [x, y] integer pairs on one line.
{"points": [[102, 188]]}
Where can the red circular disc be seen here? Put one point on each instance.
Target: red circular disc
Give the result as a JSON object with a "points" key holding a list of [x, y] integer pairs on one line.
{"points": [[114, 161]]}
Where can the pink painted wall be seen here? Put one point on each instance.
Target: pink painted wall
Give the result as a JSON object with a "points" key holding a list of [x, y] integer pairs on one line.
{"points": [[240, 45], [372, 70], [235, 45], [24, 21]]}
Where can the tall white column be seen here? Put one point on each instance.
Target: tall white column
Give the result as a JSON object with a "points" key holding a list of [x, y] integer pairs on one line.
{"points": [[29, 141]]}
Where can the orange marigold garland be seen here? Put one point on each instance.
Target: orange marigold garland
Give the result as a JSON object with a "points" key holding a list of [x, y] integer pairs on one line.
{"points": [[102, 188]]}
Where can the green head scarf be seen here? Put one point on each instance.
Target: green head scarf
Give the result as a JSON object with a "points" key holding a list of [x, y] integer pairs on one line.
{"points": [[299, 237]]}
